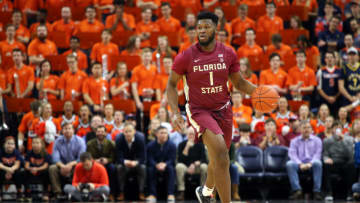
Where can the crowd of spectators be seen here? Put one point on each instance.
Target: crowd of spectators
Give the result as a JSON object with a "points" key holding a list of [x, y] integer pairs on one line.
{"points": [[96, 147]]}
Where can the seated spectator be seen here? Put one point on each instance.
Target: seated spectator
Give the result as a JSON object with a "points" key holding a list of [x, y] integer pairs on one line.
{"points": [[348, 43], [192, 39], [241, 113], [338, 150], [222, 23], [109, 117], [313, 53], [22, 33], [82, 126], [120, 84], [190, 21], [36, 167], [301, 79], [328, 77], [120, 21], [253, 2], [88, 175], [161, 79], [118, 125], [65, 25], [103, 151], [47, 83], [145, 27], [294, 130], [95, 89], [270, 23], [90, 24], [10, 162], [164, 116], [40, 20], [283, 114], [256, 118], [67, 150], [305, 154], [24, 128], [241, 23], [133, 47], [130, 152], [82, 59], [274, 76], [344, 119], [318, 124], [30, 9], [331, 39], [162, 50], [247, 73], [250, 48], [176, 137], [311, 5], [304, 113], [168, 23], [328, 125], [284, 51], [68, 116], [161, 156], [322, 22], [96, 121], [10, 43], [131, 118], [41, 46], [191, 159], [270, 137], [71, 81], [295, 23], [20, 77]]}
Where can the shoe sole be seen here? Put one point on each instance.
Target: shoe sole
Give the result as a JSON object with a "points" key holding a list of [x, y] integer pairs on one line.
{"points": [[197, 194]]}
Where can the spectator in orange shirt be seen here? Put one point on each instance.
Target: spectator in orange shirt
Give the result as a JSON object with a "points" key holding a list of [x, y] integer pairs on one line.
{"points": [[75, 50], [105, 6], [6, 6], [10, 43], [161, 79], [22, 33], [142, 79], [167, 23], [40, 20], [222, 22], [41, 47], [145, 27], [274, 76], [246, 71], [283, 114], [118, 125], [301, 78], [242, 113], [163, 49], [30, 8], [223, 37], [64, 25], [192, 6], [68, 116], [5, 86], [250, 48], [282, 49], [95, 89], [90, 24], [295, 23], [318, 124], [47, 84], [120, 84], [120, 21], [312, 5], [192, 39], [269, 22], [280, 2], [313, 53], [71, 81], [190, 21], [152, 4], [21, 77], [132, 47], [105, 50], [240, 24], [82, 126], [109, 117], [253, 2]]}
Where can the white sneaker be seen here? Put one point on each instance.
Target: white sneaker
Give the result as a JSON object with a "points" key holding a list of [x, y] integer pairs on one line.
{"points": [[329, 198]]}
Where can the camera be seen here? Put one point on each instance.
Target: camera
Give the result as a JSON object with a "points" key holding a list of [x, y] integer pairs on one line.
{"points": [[85, 190]]}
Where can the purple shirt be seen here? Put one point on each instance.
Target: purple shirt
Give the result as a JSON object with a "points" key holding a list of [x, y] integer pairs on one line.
{"points": [[206, 75], [305, 151]]}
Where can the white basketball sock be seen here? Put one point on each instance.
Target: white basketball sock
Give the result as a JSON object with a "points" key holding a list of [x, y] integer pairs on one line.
{"points": [[207, 191]]}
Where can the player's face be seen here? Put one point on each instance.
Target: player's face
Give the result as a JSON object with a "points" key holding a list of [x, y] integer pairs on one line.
{"points": [[206, 32]]}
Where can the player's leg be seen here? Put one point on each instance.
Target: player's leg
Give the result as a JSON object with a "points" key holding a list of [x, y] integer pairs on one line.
{"points": [[219, 164]]}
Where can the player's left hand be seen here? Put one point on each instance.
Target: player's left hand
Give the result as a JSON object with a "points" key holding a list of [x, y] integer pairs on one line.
{"points": [[178, 122]]}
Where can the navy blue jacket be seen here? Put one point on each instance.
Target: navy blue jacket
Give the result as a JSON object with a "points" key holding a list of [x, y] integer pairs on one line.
{"points": [[137, 151], [157, 153]]}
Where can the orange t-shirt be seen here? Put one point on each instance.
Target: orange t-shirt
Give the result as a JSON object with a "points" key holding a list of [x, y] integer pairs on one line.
{"points": [[307, 76], [34, 26], [71, 81], [103, 3], [49, 83], [280, 2], [116, 82], [169, 25], [81, 57], [22, 31], [162, 55], [268, 77], [185, 45], [141, 27], [85, 26], [242, 111], [265, 24], [33, 5], [246, 51], [6, 5], [47, 48], [99, 49], [311, 4], [161, 81], [253, 2], [143, 77], [26, 122], [94, 88], [67, 28], [25, 75], [6, 48], [127, 18], [3, 80], [284, 51], [239, 26], [191, 6], [134, 53], [36, 124], [81, 128], [312, 55]]}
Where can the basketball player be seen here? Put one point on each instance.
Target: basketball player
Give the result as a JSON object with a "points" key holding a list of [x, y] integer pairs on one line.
{"points": [[205, 68]]}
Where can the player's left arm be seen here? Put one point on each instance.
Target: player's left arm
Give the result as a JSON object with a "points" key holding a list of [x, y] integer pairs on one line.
{"points": [[241, 84]]}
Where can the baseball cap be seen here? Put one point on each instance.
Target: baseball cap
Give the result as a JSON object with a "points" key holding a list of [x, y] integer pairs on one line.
{"points": [[352, 50]]}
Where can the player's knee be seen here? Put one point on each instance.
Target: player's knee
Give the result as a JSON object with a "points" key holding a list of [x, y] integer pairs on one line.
{"points": [[222, 159]]}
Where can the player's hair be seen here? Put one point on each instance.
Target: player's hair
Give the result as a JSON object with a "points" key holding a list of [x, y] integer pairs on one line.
{"points": [[301, 51], [89, 7], [85, 156], [208, 15], [243, 7], [165, 4], [274, 54], [276, 38]]}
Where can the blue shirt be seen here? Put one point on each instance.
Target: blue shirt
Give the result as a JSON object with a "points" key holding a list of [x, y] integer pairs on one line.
{"points": [[66, 151]]}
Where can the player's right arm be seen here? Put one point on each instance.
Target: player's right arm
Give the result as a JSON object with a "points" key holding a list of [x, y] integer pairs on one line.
{"points": [[172, 95]]}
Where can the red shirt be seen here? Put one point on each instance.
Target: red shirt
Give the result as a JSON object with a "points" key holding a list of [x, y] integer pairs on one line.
{"points": [[97, 175]]}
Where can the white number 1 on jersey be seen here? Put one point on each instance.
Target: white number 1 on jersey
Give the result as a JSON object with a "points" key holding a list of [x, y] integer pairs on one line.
{"points": [[211, 78]]}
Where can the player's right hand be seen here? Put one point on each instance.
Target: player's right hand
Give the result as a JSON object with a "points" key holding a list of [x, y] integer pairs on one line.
{"points": [[178, 122]]}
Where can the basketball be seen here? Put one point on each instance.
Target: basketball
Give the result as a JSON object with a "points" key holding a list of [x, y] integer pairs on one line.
{"points": [[264, 99]]}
